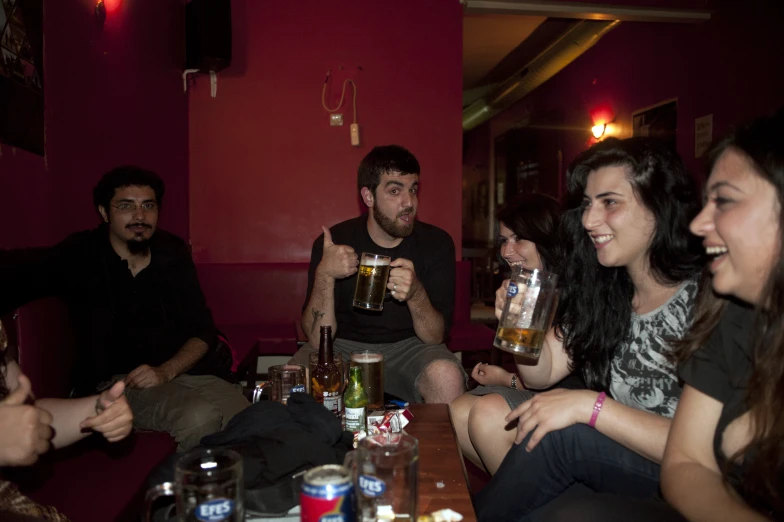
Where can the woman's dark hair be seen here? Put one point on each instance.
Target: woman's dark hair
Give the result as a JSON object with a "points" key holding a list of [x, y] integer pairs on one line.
{"points": [[3, 346], [535, 217], [126, 176], [762, 143], [595, 309]]}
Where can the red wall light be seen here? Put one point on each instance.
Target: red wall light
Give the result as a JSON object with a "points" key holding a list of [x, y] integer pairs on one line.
{"points": [[598, 130], [112, 5]]}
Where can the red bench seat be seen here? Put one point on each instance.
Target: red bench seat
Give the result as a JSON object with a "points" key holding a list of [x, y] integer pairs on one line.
{"points": [[92, 480]]}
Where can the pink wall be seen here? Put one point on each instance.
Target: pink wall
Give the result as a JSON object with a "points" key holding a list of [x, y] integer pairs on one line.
{"points": [[113, 96], [728, 67], [267, 170]]}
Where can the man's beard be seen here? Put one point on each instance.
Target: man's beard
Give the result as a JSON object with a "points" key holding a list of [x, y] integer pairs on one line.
{"points": [[139, 246], [391, 226]]}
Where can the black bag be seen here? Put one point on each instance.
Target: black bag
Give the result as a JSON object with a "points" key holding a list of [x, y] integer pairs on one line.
{"points": [[277, 444]]}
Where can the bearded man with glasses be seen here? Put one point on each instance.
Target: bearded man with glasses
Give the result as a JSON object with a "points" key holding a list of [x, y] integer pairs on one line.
{"points": [[139, 312]]}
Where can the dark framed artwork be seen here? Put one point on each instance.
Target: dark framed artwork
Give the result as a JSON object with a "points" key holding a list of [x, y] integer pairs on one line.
{"points": [[21, 74], [658, 121]]}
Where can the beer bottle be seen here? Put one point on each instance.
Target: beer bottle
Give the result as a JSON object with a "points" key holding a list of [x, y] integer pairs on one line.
{"points": [[326, 379], [356, 402]]}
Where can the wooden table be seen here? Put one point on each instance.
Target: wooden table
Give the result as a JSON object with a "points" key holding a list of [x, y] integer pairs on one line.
{"points": [[440, 462]]}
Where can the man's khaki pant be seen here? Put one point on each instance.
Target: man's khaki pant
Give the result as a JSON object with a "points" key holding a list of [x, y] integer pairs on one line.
{"points": [[187, 408]]}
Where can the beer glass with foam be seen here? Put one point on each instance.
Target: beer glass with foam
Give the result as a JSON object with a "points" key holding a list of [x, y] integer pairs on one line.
{"points": [[372, 364], [371, 281], [527, 312]]}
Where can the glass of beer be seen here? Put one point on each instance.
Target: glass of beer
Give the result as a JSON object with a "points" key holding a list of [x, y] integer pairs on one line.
{"points": [[371, 281], [372, 364], [527, 312]]}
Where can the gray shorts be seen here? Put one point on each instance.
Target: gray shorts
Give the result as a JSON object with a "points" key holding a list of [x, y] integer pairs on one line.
{"points": [[513, 398], [404, 362]]}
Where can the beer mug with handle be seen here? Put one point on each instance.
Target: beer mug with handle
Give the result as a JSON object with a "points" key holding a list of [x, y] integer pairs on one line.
{"points": [[208, 487], [284, 379], [385, 469], [372, 278], [527, 312]]}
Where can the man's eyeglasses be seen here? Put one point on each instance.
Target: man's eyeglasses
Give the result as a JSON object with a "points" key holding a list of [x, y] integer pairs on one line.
{"points": [[149, 206]]}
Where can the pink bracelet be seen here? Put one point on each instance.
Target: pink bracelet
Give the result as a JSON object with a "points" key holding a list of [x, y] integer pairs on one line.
{"points": [[597, 407]]}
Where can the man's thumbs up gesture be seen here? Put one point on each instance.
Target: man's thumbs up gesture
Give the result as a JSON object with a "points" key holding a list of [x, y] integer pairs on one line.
{"points": [[337, 261], [113, 418]]}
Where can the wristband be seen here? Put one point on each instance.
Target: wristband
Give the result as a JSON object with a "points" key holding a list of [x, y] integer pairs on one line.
{"points": [[597, 408], [514, 382]]}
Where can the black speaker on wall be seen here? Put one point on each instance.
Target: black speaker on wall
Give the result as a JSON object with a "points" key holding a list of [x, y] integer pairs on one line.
{"points": [[208, 35]]}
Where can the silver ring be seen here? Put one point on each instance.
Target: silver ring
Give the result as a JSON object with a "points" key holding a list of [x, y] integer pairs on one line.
{"points": [[394, 287]]}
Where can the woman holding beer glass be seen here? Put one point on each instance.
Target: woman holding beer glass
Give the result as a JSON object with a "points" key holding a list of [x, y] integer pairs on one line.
{"points": [[627, 288], [528, 227]]}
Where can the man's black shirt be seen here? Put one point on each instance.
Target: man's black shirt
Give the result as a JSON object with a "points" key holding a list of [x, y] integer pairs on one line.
{"points": [[121, 321]]}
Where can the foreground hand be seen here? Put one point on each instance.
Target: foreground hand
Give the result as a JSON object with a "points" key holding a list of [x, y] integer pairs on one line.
{"points": [[491, 375], [551, 411], [146, 377], [337, 261], [114, 419], [25, 430], [403, 283]]}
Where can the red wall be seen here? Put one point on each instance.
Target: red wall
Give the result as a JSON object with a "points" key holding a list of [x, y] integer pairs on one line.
{"points": [[267, 170], [729, 66], [113, 96]]}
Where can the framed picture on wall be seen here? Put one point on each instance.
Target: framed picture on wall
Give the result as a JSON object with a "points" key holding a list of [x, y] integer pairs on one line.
{"points": [[21, 74], [658, 121]]}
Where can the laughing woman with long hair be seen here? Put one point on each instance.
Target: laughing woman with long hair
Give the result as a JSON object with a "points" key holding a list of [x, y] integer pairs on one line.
{"points": [[725, 455], [528, 226], [628, 284]]}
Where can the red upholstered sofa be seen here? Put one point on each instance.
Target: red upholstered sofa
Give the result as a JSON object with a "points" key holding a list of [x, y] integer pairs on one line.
{"points": [[93, 480], [258, 307]]}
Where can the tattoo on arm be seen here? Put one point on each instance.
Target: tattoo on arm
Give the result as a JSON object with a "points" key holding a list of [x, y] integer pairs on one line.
{"points": [[316, 316]]}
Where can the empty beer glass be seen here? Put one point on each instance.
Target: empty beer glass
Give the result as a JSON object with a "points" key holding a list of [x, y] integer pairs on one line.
{"points": [[372, 364], [527, 312], [284, 379], [208, 486], [371, 281], [385, 468]]}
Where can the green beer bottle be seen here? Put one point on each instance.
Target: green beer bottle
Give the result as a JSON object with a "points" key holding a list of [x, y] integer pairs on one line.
{"points": [[355, 401]]}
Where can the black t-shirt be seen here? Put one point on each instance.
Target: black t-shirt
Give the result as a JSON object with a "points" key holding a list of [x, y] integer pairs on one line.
{"points": [[722, 369], [432, 252]]}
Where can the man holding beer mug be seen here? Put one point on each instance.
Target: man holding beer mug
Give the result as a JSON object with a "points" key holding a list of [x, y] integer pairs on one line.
{"points": [[409, 327]]}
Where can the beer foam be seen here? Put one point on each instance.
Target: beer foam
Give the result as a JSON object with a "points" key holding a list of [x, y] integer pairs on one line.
{"points": [[366, 358], [379, 261]]}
